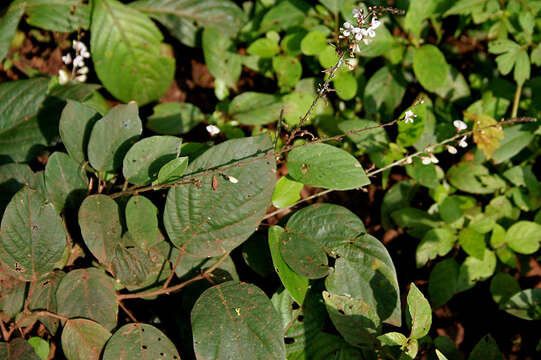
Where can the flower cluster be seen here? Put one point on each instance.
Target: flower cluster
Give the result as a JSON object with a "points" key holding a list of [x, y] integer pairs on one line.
{"points": [[79, 69], [364, 30]]}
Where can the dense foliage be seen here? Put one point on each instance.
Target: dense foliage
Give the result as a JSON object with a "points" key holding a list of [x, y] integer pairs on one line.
{"points": [[269, 179]]}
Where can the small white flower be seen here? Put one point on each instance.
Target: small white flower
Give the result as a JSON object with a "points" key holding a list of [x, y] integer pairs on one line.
{"points": [[346, 31], [451, 149], [85, 54], [433, 159], [78, 61], [213, 130], [80, 78], [79, 46], [232, 179], [408, 160], [63, 77], [462, 142], [357, 14], [375, 23], [460, 125], [426, 160], [66, 59], [409, 116], [83, 71]]}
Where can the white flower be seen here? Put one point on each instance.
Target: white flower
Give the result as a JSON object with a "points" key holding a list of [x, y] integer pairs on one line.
{"points": [[375, 23], [426, 160], [63, 77], [357, 14], [66, 59], [451, 149], [80, 78], [232, 179], [433, 159], [85, 54], [460, 125], [409, 116], [346, 31], [462, 142], [83, 70], [213, 130], [408, 160], [78, 61], [79, 46]]}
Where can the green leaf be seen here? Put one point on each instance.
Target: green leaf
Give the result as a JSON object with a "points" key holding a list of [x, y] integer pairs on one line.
{"points": [[345, 85], [384, 92], [174, 118], [41, 347], [473, 178], [232, 211], [313, 43], [455, 87], [295, 284], [325, 346], [418, 11], [128, 57], [524, 237], [424, 174], [512, 54], [263, 47], [472, 242], [395, 198], [525, 304], [32, 238], [139, 341], [371, 140], [83, 339], [430, 67], [172, 171], [242, 314], [486, 349], [8, 27], [284, 15], [146, 157], [58, 15], [354, 319], [382, 44], [18, 349], [450, 210], [253, 108], [88, 293], [256, 254], [220, 57], [13, 177], [502, 287], [179, 16], [99, 220], [333, 5], [75, 126], [442, 282], [418, 314], [416, 222], [288, 70], [473, 270], [12, 297], [142, 221], [112, 136], [286, 192], [326, 166], [436, 242], [393, 339], [65, 180], [44, 298], [21, 132]]}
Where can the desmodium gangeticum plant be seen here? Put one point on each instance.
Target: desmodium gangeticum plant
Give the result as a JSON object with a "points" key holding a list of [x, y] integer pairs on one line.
{"points": [[269, 179]]}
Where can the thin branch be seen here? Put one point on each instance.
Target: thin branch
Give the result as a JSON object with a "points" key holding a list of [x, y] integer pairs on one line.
{"points": [[128, 312], [177, 261]]}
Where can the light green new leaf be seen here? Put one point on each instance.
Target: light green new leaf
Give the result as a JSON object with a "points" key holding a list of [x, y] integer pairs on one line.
{"points": [[472, 242], [139, 341], [525, 304], [430, 67], [286, 192], [75, 126], [313, 43], [112, 136], [65, 180], [345, 85], [253, 108], [288, 70], [8, 27], [217, 215], [83, 339], [473, 270], [172, 171], [32, 238], [512, 54], [128, 57], [474, 178], [58, 15], [295, 284], [418, 314], [326, 166], [88, 293], [242, 317], [147, 156], [220, 57], [263, 47], [174, 118], [383, 43], [524, 237], [393, 339], [41, 347]]}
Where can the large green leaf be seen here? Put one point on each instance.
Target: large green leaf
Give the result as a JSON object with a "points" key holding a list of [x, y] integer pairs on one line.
{"points": [[13, 177], [384, 92], [75, 126], [245, 324], [217, 215], [146, 157], [12, 296], [65, 180], [326, 166], [139, 341], [525, 304], [83, 339], [128, 56], [20, 131], [253, 108], [58, 15], [112, 136], [174, 118], [220, 56], [33, 237], [524, 237], [430, 67], [223, 15], [99, 220], [88, 293], [43, 297], [8, 27]]}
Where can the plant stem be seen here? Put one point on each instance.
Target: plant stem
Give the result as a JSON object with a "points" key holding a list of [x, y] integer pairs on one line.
{"points": [[516, 101]]}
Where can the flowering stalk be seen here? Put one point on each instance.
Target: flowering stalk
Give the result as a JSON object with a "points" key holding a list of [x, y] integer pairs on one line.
{"points": [[79, 70]]}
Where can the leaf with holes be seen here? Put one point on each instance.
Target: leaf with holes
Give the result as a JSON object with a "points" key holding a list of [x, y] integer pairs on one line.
{"points": [[139, 341], [88, 293], [43, 297], [83, 339], [246, 324], [54, 15], [208, 220], [128, 57], [32, 238], [65, 180], [318, 165]]}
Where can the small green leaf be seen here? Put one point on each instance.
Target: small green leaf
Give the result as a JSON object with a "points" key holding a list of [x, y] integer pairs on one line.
{"points": [[146, 157], [172, 171], [373, 139], [242, 314], [345, 85], [318, 165], [8, 27], [44, 298], [473, 178], [486, 349], [442, 282], [83, 339], [263, 47], [65, 180], [384, 91], [288, 70], [295, 284], [430, 67], [12, 297], [13, 177], [41, 347], [112, 136], [473, 270], [524, 237], [220, 58], [142, 221], [436, 242], [525, 304], [174, 118], [253, 108], [502, 287], [286, 192], [472, 242], [393, 339], [313, 43], [419, 313]]}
